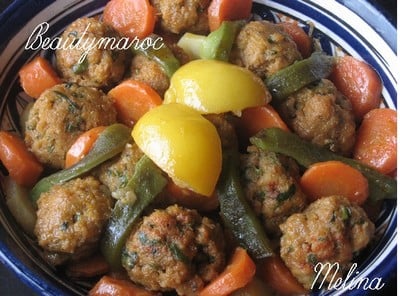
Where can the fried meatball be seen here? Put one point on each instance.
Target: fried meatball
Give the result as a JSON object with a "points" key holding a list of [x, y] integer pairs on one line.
{"points": [[71, 216], [60, 115], [225, 129], [174, 249], [264, 48], [102, 67], [178, 16], [116, 173], [330, 230], [150, 72], [320, 114], [271, 187]]}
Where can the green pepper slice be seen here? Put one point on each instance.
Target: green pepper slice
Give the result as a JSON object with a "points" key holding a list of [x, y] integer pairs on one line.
{"points": [[305, 153], [146, 183], [294, 77], [216, 46], [109, 143], [162, 55], [237, 215]]}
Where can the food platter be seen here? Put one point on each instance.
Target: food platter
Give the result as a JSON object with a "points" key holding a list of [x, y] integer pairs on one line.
{"points": [[350, 34]]}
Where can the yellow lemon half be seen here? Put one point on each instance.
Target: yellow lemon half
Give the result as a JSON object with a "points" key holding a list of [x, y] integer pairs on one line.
{"points": [[182, 143], [211, 86]]}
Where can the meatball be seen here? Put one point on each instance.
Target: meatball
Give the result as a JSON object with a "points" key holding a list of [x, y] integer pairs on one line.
{"points": [[174, 249], [329, 231], [271, 187], [71, 216], [102, 66], [116, 173], [225, 129], [320, 114], [264, 48], [60, 115], [150, 72], [178, 16]]}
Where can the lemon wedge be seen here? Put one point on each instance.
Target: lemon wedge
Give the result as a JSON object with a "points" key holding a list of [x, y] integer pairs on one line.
{"points": [[183, 144], [211, 86]]}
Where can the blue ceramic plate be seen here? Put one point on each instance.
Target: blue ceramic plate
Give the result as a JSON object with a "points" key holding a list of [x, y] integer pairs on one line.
{"points": [[367, 35]]}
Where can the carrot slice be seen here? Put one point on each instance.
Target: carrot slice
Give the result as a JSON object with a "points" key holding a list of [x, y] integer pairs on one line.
{"points": [[359, 82], [88, 267], [132, 18], [82, 146], [255, 119], [302, 40], [376, 140], [275, 273], [227, 10], [132, 99], [22, 165], [37, 76], [334, 178], [189, 198], [108, 286], [238, 273]]}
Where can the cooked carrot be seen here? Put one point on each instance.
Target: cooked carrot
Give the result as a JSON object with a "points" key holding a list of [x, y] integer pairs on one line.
{"points": [[37, 76], [132, 99], [238, 273], [132, 18], [21, 164], [334, 178], [359, 82], [89, 267], [82, 146], [255, 119], [299, 36], [188, 198], [275, 273], [227, 10], [108, 286], [376, 140]]}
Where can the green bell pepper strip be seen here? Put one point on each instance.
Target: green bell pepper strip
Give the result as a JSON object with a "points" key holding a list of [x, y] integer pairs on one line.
{"points": [[294, 77], [236, 213], [109, 143], [305, 153], [146, 183], [162, 55], [216, 46]]}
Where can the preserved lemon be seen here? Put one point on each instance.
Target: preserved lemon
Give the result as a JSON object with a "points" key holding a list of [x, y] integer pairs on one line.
{"points": [[183, 144], [211, 86]]}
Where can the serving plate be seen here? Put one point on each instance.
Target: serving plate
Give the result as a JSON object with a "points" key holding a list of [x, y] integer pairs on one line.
{"points": [[350, 34]]}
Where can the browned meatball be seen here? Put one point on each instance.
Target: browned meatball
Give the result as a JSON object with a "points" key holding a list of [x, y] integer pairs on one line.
{"points": [[102, 66], [174, 249], [60, 115], [264, 48], [320, 114], [178, 16], [71, 216], [225, 129], [116, 173], [330, 230], [150, 72], [271, 188]]}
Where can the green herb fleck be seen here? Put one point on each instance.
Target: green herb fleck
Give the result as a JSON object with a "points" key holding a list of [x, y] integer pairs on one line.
{"points": [[178, 254], [79, 68], [345, 213], [72, 106], [286, 195], [312, 259]]}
